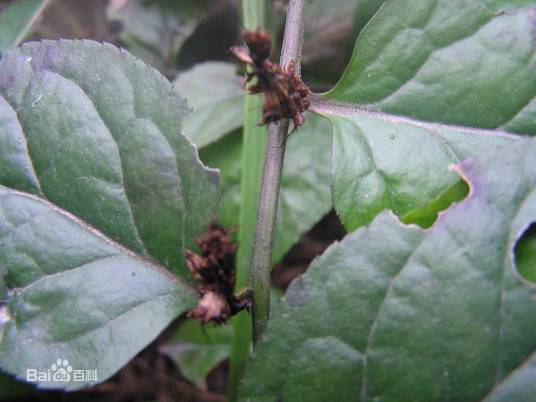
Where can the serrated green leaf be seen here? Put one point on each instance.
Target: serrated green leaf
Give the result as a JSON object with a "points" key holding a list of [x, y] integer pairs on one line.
{"points": [[305, 193], [198, 348], [17, 19], [102, 140], [216, 94], [74, 294], [381, 161], [459, 62], [445, 62], [107, 185], [395, 313]]}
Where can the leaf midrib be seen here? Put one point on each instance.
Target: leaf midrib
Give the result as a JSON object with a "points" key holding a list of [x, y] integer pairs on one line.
{"points": [[108, 322], [324, 107], [374, 325], [144, 260], [112, 137]]}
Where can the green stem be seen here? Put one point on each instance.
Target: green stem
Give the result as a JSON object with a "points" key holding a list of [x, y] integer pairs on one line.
{"points": [[254, 14], [261, 260], [254, 142]]}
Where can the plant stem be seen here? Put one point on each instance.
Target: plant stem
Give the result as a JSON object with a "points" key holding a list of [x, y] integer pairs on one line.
{"points": [[261, 260], [254, 142], [291, 50], [254, 14]]}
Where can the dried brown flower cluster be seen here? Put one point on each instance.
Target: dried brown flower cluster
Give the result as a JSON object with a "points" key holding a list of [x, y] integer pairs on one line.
{"points": [[286, 94], [214, 269]]}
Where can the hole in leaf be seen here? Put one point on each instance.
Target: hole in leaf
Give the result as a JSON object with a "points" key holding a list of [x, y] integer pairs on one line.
{"points": [[525, 255], [427, 215]]}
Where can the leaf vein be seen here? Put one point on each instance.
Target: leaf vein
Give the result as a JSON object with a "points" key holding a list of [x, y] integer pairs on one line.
{"points": [[143, 259], [27, 149], [374, 325]]}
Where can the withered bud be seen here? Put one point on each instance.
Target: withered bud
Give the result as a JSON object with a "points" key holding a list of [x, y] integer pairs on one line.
{"points": [[259, 44], [211, 307], [195, 264], [285, 92], [214, 269]]}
